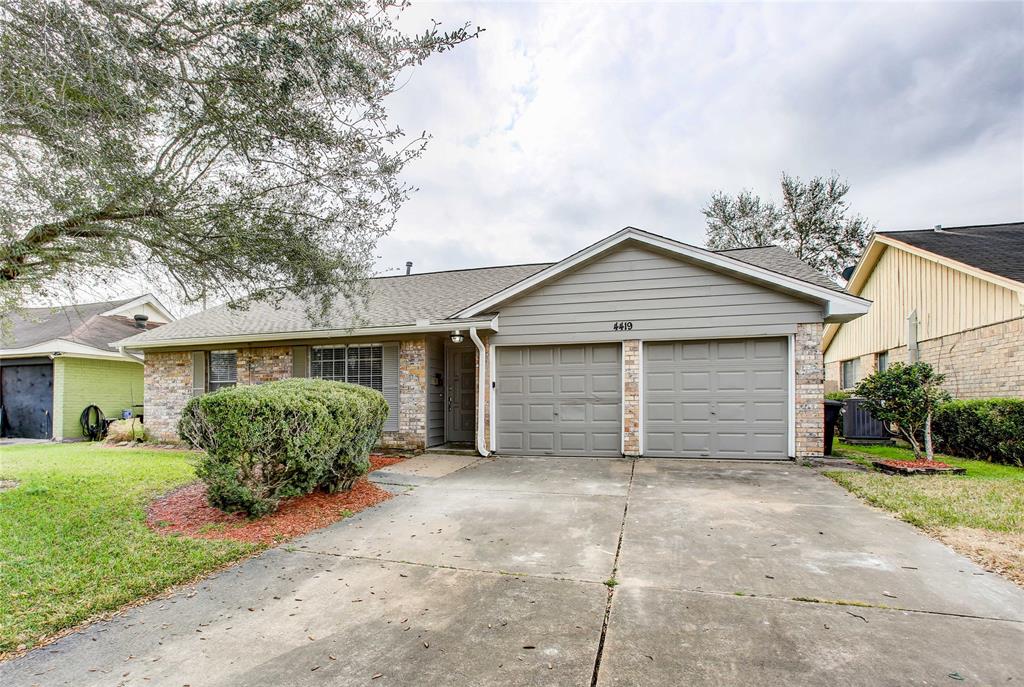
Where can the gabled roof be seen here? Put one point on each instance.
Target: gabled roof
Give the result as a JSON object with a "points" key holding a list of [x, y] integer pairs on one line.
{"points": [[770, 266], [399, 301], [84, 325], [440, 301], [992, 252], [994, 248]]}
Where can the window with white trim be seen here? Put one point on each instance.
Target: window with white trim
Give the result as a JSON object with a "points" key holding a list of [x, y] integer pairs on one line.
{"points": [[222, 369], [363, 365]]}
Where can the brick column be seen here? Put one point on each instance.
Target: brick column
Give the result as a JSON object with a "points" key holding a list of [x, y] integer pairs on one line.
{"points": [[631, 352], [167, 388], [412, 390], [809, 376]]}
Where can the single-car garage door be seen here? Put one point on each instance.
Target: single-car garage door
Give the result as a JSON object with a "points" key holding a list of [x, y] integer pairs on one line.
{"points": [[559, 400], [716, 399]]}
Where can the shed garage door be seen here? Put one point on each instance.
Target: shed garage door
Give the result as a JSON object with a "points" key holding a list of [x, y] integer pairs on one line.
{"points": [[716, 399], [559, 400]]}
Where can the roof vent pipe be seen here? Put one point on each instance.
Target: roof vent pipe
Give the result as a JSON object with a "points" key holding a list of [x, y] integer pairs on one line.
{"points": [[408, 267], [141, 320]]}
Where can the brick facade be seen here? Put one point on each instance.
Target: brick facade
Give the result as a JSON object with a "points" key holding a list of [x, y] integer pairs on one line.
{"points": [[167, 388], [631, 369], [259, 365], [986, 362], [809, 371], [412, 395]]}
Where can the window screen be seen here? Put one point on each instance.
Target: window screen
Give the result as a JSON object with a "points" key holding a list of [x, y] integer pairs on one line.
{"points": [[361, 365], [850, 373], [222, 369]]}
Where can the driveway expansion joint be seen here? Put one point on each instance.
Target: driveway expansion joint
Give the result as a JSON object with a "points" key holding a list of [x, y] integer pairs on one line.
{"points": [[842, 603], [612, 581], [443, 566]]}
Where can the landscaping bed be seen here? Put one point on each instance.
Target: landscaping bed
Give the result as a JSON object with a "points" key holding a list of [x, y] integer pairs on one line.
{"points": [[917, 467], [186, 512]]}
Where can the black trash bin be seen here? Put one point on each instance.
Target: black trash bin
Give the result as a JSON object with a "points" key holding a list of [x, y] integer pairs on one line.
{"points": [[832, 409]]}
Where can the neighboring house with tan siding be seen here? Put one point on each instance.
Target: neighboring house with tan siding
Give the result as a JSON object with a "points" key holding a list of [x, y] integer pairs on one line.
{"points": [[952, 297], [635, 345]]}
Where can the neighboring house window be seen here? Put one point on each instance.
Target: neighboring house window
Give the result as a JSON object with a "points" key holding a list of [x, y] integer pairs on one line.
{"points": [[882, 361], [363, 365], [223, 370], [850, 373]]}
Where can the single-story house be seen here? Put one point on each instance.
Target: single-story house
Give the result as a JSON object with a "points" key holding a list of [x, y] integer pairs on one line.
{"points": [[952, 297], [55, 362], [637, 344]]}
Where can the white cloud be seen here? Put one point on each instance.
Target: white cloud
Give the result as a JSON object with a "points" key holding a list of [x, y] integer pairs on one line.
{"points": [[565, 122]]}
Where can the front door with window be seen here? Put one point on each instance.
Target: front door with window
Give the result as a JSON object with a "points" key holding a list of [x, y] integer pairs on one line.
{"points": [[460, 398]]}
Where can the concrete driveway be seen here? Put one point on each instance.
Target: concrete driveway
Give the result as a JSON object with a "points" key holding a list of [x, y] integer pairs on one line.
{"points": [[494, 573]]}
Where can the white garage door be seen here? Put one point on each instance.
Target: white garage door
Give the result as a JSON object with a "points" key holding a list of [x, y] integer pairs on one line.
{"points": [[716, 399], [559, 400]]}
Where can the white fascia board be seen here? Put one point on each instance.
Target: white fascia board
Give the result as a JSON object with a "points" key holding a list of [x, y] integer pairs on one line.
{"points": [[839, 303], [488, 323], [149, 299], [70, 349]]}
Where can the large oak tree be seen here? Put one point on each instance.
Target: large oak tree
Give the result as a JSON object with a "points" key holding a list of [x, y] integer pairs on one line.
{"points": [[234, 148]]}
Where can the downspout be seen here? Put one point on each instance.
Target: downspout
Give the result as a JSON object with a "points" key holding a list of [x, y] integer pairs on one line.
{"points": [[481, 379]]}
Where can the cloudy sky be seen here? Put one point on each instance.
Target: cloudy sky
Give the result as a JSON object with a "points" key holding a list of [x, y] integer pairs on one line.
{"points": [[564, 122]]}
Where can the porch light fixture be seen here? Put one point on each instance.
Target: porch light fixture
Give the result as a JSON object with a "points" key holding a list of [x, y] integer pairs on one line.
{"points": [[457, 336]]}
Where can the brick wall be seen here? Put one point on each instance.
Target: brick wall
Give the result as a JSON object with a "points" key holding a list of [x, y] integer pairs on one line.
{"points": [[260, 365], [631, 397], [986, 362], [810, 389], [412, 398], [168, 387], [113, 385]]}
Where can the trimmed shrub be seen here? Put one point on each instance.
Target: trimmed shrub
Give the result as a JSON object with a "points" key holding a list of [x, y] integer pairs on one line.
{"points": [[989, 429], [359, 413], [272, 441]]}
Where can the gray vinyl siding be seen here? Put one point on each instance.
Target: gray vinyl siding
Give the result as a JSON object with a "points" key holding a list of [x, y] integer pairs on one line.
{"points": [[664, 298], [435, 394], [389, 384]]}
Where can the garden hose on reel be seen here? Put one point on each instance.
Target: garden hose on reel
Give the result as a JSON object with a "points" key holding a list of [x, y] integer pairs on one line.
{"points": [[93, 422]]}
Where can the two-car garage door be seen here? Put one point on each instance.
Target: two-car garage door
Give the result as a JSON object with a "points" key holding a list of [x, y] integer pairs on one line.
{"points": [[701, 399]]}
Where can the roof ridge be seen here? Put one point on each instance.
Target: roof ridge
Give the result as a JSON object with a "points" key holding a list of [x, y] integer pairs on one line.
{"points": [[464, 269], [944, 228]]}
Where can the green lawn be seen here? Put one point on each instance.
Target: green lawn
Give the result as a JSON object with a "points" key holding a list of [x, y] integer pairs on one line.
{"points": [[980, 514], [989, 496], [73, 540]]}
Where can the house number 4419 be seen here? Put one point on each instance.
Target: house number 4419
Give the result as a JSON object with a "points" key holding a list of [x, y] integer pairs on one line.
{"points": [[622, 326]]}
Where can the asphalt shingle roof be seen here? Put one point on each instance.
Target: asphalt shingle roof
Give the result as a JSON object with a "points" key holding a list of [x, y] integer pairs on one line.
{"points": [[994, 248], [780, 260], [402, 300], [392, 301], [80, 323]]}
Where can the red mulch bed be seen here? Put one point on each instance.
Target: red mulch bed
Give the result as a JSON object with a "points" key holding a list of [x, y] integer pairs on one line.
{"points": [[185, 511], [909, 467]]}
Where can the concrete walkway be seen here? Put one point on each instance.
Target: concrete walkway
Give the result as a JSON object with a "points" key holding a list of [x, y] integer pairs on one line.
{"points": [[493, 572]]}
